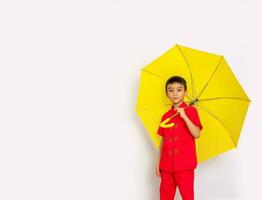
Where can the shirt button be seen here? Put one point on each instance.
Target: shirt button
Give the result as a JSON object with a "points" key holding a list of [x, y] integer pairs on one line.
{"points": [[175, 138]]}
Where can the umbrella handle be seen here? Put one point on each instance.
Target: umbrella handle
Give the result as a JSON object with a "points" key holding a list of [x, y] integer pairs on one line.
{"points": [[164, 124]]}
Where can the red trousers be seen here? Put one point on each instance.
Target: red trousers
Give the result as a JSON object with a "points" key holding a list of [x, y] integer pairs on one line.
{"points": [[170, 180]]}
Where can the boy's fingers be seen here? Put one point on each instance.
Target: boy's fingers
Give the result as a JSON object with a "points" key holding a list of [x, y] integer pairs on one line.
{"points": [[158, 172]]}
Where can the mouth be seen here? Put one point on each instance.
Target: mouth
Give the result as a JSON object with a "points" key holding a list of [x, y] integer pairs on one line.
{"points": [[175, 100]]}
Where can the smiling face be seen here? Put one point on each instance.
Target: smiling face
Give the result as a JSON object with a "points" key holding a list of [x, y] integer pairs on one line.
{"points": [[176, 93]]}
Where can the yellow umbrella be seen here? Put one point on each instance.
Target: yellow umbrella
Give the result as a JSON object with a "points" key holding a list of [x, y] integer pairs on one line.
{"points": [[212, 88]]}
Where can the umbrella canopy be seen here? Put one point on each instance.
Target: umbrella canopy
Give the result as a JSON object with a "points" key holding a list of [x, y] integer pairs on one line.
{"points": [[212, 88]]}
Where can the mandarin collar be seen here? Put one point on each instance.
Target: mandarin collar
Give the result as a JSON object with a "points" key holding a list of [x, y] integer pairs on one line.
{"points": [[182, 105]]}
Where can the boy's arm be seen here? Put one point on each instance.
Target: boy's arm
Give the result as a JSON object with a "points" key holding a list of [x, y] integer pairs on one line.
{"points": [[158, 172], [160, 132], [160, 149], [194, 130]]}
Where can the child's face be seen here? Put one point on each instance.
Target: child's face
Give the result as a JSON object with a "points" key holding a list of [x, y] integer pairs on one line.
{"points": [[176, 92]]}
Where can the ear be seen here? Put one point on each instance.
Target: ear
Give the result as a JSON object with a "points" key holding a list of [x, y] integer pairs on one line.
{"points": [[186, 93]]}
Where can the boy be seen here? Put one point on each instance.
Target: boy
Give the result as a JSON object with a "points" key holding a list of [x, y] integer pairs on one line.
{"points": [[177, 159]]}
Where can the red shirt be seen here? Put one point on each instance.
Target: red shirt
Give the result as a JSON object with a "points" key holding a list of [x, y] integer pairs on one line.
{"points": [[179, 149]]}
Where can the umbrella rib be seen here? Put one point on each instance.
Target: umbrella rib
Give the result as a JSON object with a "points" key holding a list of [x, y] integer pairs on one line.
{"points": [[210, 77], [191, 98], [212, 115], [218, 98], [152, 74], [191, 76]]}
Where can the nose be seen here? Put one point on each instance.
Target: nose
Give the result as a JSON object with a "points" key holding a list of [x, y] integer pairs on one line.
{"points": [[175, 93]]}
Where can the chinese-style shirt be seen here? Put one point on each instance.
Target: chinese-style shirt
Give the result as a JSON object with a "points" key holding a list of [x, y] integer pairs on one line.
{"points": [[179, 149]]}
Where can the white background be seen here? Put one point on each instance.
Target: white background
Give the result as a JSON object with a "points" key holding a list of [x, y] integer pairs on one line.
{"points": [[69, 77]]}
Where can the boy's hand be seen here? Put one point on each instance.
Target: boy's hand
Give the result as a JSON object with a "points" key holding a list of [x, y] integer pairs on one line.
{"points": [[181, 112], [158, 173]]}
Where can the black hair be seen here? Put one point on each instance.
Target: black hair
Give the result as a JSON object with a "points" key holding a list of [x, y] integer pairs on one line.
{"points": [[176, 79]]}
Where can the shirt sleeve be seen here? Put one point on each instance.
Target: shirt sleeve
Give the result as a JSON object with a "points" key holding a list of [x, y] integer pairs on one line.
{"points": [[160, 130], [194, 117]]}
